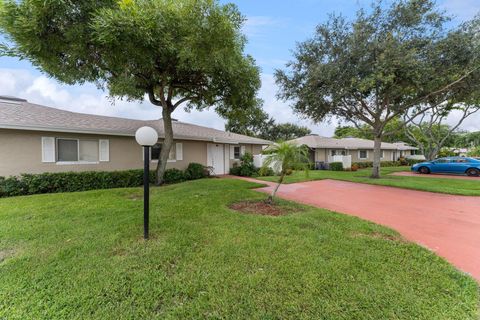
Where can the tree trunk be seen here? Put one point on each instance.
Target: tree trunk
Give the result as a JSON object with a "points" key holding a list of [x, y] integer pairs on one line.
{"points": [[377, 154], [166, 145], [272, 196]]}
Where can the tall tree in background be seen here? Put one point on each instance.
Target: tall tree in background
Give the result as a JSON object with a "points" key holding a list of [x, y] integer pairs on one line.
{"points": [[256, 122], [176, 52], [430, 131], [395, 130], [374, 69]]}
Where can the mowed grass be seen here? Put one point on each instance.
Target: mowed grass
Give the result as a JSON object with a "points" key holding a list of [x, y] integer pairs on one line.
{"points": [[439, 185], [81, 256]]}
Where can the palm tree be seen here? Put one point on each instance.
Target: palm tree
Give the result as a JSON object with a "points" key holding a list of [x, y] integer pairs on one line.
{"points": [[285, 156]]}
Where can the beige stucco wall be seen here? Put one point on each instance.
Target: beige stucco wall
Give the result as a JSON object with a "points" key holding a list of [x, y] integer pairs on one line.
{"points": [[21, 152]]}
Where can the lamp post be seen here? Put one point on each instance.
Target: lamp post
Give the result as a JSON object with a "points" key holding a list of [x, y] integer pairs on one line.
{"points": [[146, 137]]}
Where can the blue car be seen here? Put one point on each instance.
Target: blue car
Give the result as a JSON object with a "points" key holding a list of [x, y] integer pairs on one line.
{"points": [[458, 165]]}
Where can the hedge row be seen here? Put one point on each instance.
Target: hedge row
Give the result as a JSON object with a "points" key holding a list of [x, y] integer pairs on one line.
{"points": [[403, 162], [27, 184]]}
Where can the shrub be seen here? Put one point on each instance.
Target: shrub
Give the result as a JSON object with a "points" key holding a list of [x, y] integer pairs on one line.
{"points": [[336, 166], [411, 162], [27, 184], [354, 167], [288, 172], [266, 172], [235, 170], [196, 171], [403, 161], [174, 176], [369, 164], [246, 167]]}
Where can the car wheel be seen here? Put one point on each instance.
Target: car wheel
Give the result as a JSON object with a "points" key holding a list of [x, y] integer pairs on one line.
{"points": [[473, 172], [424, 170]]}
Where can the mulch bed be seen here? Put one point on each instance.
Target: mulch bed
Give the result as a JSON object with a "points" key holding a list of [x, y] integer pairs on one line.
{"points": [[259, 207]]}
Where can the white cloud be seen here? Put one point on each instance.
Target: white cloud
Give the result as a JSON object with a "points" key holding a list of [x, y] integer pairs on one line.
{"points": [[85, 99], [462, 9], [88, 99], [282, 112], [259, 26]]}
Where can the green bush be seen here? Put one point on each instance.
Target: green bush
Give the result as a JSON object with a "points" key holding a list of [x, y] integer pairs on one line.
{"points": [[246, 167], [174, 176], [266, 172], [27, 184], [336, 166], [369, 164], [196, 171], [411, 162]]}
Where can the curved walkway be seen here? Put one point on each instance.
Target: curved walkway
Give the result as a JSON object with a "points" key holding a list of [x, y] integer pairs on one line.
{"points": [[446, 224]]}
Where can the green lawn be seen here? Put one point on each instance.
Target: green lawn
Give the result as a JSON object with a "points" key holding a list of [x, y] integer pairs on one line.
{"points": [[81, 256], [440, 185]]}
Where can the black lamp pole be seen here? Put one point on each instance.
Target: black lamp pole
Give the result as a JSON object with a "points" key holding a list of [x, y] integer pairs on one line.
{"points": [[146, 190]]}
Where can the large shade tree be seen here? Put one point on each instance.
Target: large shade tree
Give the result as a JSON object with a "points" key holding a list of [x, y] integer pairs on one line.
{"points": [[431, 132], [187, 53], [388, 60]]}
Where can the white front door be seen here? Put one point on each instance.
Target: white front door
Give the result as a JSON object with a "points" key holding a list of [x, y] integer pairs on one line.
{"points": [[215, 158]]}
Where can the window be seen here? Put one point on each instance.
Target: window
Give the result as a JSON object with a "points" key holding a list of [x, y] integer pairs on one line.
{"points": [[74, 150], [339, 153], [67, 150], [88, 151], [156, 149], [236, 152], [363, 154], [443, 161], [382, 154]]}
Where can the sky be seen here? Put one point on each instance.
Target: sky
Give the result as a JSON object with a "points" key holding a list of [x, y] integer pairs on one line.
{"points": [[273, 27]]}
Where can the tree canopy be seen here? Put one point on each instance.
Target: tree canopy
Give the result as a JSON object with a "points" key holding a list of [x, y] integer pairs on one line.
{"points": [[175, 52], [256, 122], [385, 62]]}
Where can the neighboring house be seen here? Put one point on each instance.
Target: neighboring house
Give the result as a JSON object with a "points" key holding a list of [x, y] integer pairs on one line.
{"points": [[460, 152], [36, 139], [406, 151], [323, 149]]}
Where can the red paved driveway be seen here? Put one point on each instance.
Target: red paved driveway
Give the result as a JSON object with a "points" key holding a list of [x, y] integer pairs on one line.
{"points": [[449, 225]]}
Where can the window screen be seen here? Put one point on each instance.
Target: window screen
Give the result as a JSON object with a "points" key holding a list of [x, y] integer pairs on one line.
{"points": [[88, 150], [236, 152], [67, 150], [363, 154], [156, 149]]}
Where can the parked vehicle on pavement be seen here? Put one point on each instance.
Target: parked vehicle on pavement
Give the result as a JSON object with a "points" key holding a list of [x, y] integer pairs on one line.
{"points": [[456, 165]]}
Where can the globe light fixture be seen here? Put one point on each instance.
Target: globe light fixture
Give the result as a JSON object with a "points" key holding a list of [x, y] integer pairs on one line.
{"points": [[146, 137]]}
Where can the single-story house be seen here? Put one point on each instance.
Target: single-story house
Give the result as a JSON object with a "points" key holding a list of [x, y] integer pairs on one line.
{"points": [[323, 149], [37, 139], [405, 150]]}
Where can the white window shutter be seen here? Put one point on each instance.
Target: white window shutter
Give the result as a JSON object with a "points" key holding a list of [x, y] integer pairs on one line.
{"points": [[242, 150], [104, 152], [48, 149], [179, 151], [232, 152]]}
